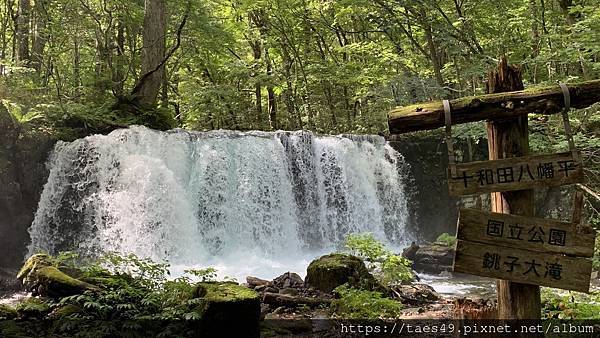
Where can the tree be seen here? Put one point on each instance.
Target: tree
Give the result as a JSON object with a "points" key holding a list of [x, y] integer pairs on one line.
{"points": [[153, 52]]}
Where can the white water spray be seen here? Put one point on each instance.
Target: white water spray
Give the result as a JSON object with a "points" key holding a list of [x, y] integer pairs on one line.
{"points": [[244, 202]]}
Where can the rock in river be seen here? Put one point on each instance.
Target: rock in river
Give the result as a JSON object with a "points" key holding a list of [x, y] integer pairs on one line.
{"points": [[330, 271]]}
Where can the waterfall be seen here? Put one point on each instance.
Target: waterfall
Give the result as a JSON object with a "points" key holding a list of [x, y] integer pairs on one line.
{"points": [[192, 197]]}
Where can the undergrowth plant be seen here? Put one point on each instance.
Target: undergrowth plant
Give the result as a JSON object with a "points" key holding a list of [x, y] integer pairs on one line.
{"points": [[385, 265], [361, 304], [570, 305]]}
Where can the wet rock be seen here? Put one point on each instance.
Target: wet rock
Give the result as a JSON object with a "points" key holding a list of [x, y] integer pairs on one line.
{"points": [[415, 294], [411, 251], [260, 288], [330, 271], [228, 310], [264, 309], [288, 280], [271, 289], [23, 173], [8, 282], [288, 291], [280, 310], [43, 279], [433, 259], [253, 282]]}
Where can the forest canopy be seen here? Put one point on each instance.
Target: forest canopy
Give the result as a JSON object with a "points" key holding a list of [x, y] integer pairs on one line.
{"points": [[327, 66]]}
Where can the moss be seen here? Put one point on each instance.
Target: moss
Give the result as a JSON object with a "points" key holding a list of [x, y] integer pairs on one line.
{"points": [[330, 271], [66, 311], [225, 292], [7, 312], [227, 306], [33, 307], [34, 261], [38, 273], [53, 275]]}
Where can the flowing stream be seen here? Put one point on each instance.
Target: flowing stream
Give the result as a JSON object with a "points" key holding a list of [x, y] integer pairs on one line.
{"points": [[244, 202]]}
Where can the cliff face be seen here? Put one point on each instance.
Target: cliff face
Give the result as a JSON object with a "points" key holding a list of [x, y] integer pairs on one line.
{"points": [[23, 173]]}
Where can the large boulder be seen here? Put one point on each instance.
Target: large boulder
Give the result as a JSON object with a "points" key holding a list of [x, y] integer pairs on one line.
{"points": [[434, 258], [330, 271], [288, 280], [43, 279], [227, 309], [415, 294]]}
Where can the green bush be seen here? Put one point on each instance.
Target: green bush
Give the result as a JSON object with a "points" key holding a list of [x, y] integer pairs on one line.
{"points": [[446, 239], [132, 288], [361, 304], [570, 305], [385, 265]]}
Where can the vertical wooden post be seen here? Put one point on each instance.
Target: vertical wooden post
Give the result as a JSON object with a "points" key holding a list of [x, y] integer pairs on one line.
{"points": [[510, 138]]}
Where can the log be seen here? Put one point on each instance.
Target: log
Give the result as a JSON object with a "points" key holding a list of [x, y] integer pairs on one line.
{"points": [[278, 299], [495, 106]]}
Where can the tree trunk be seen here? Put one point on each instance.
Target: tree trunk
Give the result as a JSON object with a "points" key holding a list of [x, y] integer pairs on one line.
{"points": [[40, 34], [535, 37], [271, 93], [153, 51], [510, 138], [22, 32], [433, 52], [118, 76], [76, 65]]}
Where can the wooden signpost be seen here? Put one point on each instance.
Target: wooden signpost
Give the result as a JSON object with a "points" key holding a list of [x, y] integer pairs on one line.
{"points": [[516, 173], [524, 249], [509, 244], [523, 266]]}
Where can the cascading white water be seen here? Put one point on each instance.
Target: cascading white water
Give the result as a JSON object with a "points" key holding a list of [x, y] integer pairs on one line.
{"points": [[241, 201]]}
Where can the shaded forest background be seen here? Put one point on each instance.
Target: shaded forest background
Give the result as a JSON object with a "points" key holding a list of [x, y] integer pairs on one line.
{"points": [[327, 66]]}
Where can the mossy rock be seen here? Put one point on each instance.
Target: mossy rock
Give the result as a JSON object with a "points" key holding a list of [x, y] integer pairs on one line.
{"points": [[330, 271], [227, 309], [65, 311], [33, 308], [46, 280], [7, 312]]}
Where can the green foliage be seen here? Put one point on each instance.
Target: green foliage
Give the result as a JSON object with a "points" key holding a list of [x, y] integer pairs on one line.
{"points": [[385, 265], [132, 288], [327, 66], [204, 275], [361, 304], [570, 305], [446, 239], [596, 257]]}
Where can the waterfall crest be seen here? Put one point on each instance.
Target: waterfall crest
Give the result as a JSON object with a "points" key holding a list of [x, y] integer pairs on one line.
{"points": [[187, 196]]}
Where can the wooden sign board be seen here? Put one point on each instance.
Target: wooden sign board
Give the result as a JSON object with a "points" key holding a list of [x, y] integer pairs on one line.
{"points": [[530, 233], [516, 173], [523, 266]]}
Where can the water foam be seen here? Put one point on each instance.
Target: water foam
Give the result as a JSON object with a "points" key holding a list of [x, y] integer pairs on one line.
{"points": [[242, 201]]}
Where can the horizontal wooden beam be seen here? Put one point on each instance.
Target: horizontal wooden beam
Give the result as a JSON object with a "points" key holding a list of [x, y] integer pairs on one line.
{"points": [[539, 100]]}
